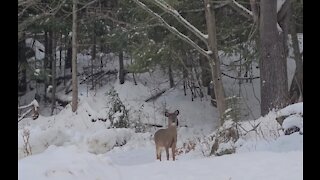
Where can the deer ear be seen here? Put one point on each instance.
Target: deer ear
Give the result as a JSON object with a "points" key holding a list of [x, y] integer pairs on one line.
{"points": [[177, 112], [166, 114]]}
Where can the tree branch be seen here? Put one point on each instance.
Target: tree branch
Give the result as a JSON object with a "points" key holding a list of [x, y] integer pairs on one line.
{"points": [[283, 11], [242, 78], [246, 12], [173, 30], [167, 8], [241, 9]]}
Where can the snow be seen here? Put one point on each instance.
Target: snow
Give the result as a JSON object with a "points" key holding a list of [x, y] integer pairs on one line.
{"points": [[80, 145], [279, 4], [66, 163], [293, 121], [70, 146], [291, 109], [36, 46]]}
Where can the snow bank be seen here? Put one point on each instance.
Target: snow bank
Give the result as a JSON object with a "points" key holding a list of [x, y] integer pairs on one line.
{"points": [[104, 140], [67, 163]]}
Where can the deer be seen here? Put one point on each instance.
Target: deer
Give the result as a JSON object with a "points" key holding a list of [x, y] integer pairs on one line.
{"points": [[167, 138]]}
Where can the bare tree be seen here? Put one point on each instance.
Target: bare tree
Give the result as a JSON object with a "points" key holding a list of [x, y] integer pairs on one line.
{"points": [[74, 58], [210, 40], [214, 60]]}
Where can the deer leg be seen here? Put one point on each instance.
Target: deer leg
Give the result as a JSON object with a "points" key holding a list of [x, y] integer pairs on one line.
{"points": [[173, 148], [158, 153], [167, 153]]}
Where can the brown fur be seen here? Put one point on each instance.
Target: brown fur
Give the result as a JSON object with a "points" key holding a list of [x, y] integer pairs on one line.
{"points": [[167, 138]]}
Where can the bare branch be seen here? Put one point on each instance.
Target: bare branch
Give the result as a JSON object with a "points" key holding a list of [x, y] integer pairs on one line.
{"points": [[167, 8], [173, 29], [33, 103], [255, 12], [242, 78], [246, 12], [24, 115], [283, 10], [221, 5], [241, 9]]}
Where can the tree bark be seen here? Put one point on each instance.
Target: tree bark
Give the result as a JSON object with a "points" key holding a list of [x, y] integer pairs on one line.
{"points": [[133, 74], [45, 62], [74, 58], [215, 61], [68, 60], [206, 77], [296, 88], [255, 11], [22, 81], [53, 97], [121, 68], [60, 52], [170, 76], [93, 56], [273, 64]]}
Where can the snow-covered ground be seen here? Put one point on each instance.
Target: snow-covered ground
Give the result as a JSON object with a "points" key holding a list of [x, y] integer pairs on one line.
{"points": [[70, 146], [79, 146], [68, 163]]}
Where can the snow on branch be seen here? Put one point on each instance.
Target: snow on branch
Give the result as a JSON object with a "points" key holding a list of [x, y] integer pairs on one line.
{"points": [[173, 29], [167, 8], [35, 105], [24, 115], [242, 7], [279, 4], [247, 13]]}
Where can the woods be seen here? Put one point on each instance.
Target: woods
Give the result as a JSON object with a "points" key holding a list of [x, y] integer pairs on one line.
{"points": [[107, 86], [189, 40]]}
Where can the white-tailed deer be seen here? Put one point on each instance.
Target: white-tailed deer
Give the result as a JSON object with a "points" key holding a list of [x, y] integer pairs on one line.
{"points": [[167, 138]]}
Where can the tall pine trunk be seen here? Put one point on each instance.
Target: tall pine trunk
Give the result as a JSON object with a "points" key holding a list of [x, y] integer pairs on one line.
{"points": [[45, 62], [74, 58], [121, 68], [22, 79], [206, 77], [53, 65], [273, 65], [215, 61], [171, 81], [93, 56]]}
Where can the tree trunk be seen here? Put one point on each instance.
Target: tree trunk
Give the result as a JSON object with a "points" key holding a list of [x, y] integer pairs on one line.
{"points": [[74, 58], [273, 65], [121, 68], [170, 76], [185, 79], [60, 52], [22, 79], [49, 65], [206, 76], [296, 88], [93, 56], [255, 11], [45, 62], [215, 61], [53, 97], [283, 18], [65, 58], [133, 74]]}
